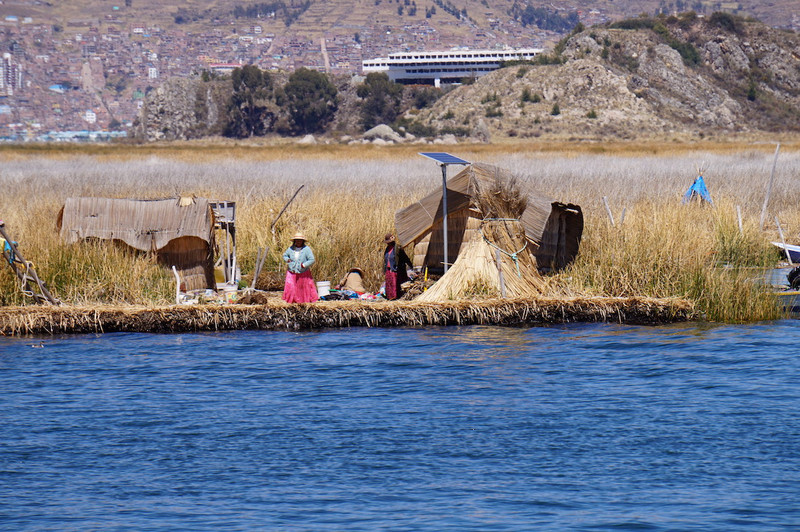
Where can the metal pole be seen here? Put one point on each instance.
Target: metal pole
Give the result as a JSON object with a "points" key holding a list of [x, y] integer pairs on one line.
{"points": [[444, 214]]}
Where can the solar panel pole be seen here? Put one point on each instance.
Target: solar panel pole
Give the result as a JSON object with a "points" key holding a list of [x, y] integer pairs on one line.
{"points": [[444, 214], [443, 159]]}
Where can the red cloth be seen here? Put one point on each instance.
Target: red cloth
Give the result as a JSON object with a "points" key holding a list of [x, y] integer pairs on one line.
{"points": [[393, 290], [300, 288]]}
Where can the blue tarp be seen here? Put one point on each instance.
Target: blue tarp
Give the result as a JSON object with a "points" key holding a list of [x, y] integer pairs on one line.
{"points": [[699, 190]]}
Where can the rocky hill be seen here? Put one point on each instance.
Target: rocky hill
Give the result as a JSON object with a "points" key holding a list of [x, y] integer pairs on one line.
{"points": [[678, 75], [665, 77]]}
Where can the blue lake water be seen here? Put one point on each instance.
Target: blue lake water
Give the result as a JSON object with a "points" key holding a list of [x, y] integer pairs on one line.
{"points": [[579, 427]]}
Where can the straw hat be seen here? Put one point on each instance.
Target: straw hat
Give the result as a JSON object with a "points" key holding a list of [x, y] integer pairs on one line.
{"points": [[299, 236], [388, 238]]}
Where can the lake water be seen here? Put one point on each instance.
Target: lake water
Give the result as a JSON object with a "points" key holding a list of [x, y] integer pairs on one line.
{"points": [[579, 427]]}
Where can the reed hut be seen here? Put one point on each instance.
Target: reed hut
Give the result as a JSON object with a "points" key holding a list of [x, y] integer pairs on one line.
{"points": [[178, 231], [488, 217]]}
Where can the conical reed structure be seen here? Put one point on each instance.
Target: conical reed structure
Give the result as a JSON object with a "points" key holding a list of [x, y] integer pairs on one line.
{"points": [[495, 259]]}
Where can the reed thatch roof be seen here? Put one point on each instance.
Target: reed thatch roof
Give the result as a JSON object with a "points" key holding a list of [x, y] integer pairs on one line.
{"points": [[146, 225], [553, 227], [417, 219], [179, 230]]}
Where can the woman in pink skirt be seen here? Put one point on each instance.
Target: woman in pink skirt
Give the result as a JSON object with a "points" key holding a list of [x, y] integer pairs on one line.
{"points": [[299, 287]]}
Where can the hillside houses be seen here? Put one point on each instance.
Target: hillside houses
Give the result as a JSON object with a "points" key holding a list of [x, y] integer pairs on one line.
{"points": [[104, 65]]}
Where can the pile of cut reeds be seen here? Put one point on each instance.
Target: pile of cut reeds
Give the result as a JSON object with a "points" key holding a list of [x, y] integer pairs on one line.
{"points": [[496, 259], [335, 314]]}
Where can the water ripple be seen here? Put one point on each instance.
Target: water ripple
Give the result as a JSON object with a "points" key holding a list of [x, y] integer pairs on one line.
{"points": [[584, 427]]}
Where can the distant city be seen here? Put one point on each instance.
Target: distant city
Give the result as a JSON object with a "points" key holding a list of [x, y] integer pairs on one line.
{"points": [[87, 79]]}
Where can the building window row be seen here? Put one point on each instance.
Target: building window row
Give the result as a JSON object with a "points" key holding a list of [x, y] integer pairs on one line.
{"points": [[438, 70], [499, 55]]}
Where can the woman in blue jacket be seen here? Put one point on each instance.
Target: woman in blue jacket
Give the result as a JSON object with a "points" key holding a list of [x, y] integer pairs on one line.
{"points": [[299, 286]]}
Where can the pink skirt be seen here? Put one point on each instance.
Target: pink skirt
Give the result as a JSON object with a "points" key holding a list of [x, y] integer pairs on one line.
{"points": [[300, 288]]}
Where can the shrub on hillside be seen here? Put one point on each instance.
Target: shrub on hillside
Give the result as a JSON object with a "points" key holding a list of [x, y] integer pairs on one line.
{"points": [[381, 99], [311, 99]]}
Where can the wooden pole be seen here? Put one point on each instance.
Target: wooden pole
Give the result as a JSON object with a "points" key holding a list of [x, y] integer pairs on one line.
{"points": [[622, 217], [739, 216], [769, 187], [260, 258], [227, 261], [272, 226], [783, 241], [500, 272], [608, 210], [27, 273]]}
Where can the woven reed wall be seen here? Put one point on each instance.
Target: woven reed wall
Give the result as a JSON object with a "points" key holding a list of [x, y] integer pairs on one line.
{"points": [[561, 237], [181, 233], [193, 259], [456, 225], [146, 225]]}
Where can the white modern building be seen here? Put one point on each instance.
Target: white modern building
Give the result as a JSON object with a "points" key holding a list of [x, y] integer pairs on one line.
{"points": [[444, 67], [10, 75]]}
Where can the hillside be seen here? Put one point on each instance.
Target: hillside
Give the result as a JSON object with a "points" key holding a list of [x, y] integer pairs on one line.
{"points": [[317, 17], [687, 76], [659, 77]]}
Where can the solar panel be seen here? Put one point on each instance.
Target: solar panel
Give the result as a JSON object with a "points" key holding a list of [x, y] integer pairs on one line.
{"points": [[443, 158]]}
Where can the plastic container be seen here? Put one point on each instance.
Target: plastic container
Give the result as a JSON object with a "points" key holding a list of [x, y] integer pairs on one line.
{"points": [[323, 288]]}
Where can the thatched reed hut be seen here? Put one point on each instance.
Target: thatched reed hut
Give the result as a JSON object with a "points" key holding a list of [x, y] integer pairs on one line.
{"points": [[179, 231], [553, 228]]}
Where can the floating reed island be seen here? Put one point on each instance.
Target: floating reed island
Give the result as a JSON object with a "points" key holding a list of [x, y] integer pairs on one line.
{"points": [[576, 232], [49, 320]]}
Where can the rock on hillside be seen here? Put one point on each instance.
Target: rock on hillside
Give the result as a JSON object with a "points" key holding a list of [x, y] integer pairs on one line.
{"points": [[688, 76], [183, 109]]}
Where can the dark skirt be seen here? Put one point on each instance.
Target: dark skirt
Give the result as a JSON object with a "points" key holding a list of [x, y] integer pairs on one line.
{"points": [[394, 282]]}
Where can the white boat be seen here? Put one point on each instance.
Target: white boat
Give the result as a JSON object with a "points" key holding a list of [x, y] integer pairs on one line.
{"points": [[794, 251]]}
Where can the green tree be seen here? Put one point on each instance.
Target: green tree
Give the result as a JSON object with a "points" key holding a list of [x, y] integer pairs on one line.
{"points": [[311, 99], [381, 99], [248, 114], [424, 96]]}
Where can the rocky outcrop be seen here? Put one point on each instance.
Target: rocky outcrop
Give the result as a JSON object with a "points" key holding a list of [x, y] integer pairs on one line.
{"points": [[182, 109], [382, 132], [688, 76]]}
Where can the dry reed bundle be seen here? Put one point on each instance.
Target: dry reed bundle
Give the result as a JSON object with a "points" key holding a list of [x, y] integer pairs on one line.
{"points": [[475, 272], [336, 314], [501, 197], [496, 259]]}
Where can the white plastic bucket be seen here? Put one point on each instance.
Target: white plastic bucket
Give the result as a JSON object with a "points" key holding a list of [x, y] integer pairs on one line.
{"points": [[323, 288]]}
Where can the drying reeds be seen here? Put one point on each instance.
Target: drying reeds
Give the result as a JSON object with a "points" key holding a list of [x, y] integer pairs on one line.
{"points": [[662, 249], [334, 314], [496, 259]]}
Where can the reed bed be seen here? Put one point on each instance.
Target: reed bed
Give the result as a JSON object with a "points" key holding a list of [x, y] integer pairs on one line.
{"points": [[331, 314], [662, 249]]}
